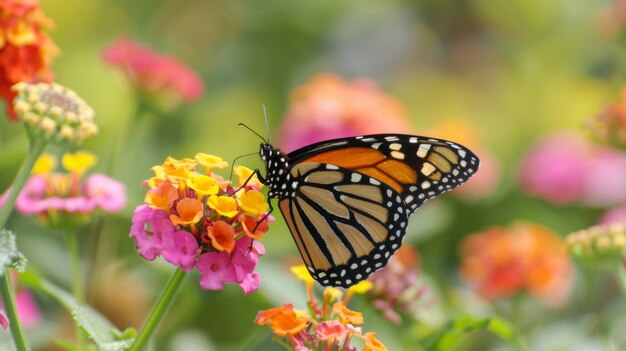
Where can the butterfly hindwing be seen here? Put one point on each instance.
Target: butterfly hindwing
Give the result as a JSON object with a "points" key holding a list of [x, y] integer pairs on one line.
{"points": [[346, 224], [418, 168]]}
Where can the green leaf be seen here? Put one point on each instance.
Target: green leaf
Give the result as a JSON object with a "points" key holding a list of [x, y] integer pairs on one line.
{"points": [[9, 255], [456, 330], [98, 328]]}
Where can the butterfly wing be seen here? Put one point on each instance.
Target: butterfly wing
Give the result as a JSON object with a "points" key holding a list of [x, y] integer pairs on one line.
{"points": [[418, 168], [346, 224]]}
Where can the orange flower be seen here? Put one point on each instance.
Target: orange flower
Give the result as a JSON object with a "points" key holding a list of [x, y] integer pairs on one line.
{"points": [[249, 223], [500, 262], [162, 197], [282, 320], [189, 212], [610, 124], [222, 236], [331, 330], [373, 344], [346, 315], [25, 50]]}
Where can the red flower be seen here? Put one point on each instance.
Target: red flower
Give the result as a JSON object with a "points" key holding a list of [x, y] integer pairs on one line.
{"points": [[25, 50], [153, 73]]}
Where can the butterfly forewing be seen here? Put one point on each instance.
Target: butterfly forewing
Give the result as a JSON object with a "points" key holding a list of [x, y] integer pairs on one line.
{"points": [[346, 224], [418, 168]]}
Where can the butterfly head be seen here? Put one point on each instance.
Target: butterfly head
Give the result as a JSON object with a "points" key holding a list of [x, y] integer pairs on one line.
{"points": [[277, 176]]}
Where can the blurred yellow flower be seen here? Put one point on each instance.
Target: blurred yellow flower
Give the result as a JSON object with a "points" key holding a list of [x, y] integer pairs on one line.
{"points": [[347, 315], [224, 205], [372, 343], [46, 163], [78, 162], [302, 273]]}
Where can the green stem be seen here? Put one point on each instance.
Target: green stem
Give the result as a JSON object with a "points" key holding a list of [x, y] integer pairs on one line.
{"points": [[77, 281], [36, 147], [155, 316], [620, 275], [6, 291]]}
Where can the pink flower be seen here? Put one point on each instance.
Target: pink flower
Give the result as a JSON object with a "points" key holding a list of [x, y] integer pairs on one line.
{"points": [[151, 229], [216, 270], [565, 168], [245, 259], [331, 330], [153, 73], [27, 308], [615, 215], [181, 250], [31, 199], [105, 192], [4, 321], [329, 107]]}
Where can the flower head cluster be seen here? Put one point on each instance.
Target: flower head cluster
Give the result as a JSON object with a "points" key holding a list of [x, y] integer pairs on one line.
{"points": [[55, 112], [25, 50], [526, 257], [396, 288], [598, 243], [198, 220], [156, 75], [68, 198], [329, 107], [331, 326], [565, 168]]}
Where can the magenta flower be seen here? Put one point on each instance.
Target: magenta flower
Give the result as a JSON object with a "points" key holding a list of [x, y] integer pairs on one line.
{"points": [[181, 250], [153, 73], [566, 168], [106, 193], [216, 270], [151, 229], [614, 215]]}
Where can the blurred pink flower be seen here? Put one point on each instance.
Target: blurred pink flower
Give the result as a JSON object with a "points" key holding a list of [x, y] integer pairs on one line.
{"points": [[150, 228], [27, 308], [329, 107], [614, 215], [106, 193], [154, 73], [566, 168]]}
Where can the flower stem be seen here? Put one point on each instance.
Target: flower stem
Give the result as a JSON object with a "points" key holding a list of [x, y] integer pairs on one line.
{"points": [[6, 291], [77, 281], [620, 276], [36, 147], [155, 316]]}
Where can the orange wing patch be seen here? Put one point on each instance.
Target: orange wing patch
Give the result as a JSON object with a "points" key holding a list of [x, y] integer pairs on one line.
{"points": [[370, 162]]}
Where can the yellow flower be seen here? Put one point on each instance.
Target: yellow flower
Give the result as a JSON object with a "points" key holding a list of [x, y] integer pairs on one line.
{"points": [[253, 203], [302, 273], [186, 163], [361, 288], [224, 205], [78, 162], [45, 164], [332, 294], [210, 162], [203, 185], [347, 315], [244, 173], [162, 197]]}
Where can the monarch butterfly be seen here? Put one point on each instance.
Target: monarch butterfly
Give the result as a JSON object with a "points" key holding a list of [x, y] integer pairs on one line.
{"points": [[347, 201]]}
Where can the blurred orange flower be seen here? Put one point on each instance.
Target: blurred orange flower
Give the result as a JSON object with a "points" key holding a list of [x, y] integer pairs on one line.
{"points": [[282, 320], [610, 124], [500, 262], [329, 107], [25, 50]]}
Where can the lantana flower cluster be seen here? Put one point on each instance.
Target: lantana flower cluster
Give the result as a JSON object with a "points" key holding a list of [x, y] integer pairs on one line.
{"points": [[67, 199], [55, 112], [526, 257], [329, 326], [26, 51], [600, 243], [199, 220]]}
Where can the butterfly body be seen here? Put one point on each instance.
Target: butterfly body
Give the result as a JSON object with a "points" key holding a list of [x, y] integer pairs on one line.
{"points": [[347, 201]]}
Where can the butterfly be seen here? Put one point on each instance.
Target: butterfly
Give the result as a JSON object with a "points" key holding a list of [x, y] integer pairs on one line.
{"points": [[347, 201]]}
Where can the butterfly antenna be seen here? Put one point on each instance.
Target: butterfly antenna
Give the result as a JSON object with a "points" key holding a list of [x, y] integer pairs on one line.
{"points": [[255, 133], [267, 128]]}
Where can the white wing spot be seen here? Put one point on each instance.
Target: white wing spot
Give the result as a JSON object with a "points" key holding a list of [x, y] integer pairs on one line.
{"points": [[355, 177], [395, 146], [374, 181], [397, 154], [376, 145], [425, 184], [333, 167], [422, 150]]}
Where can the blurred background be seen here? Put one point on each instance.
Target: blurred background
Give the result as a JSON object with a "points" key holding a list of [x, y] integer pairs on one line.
{"points": [[506, 79]]}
